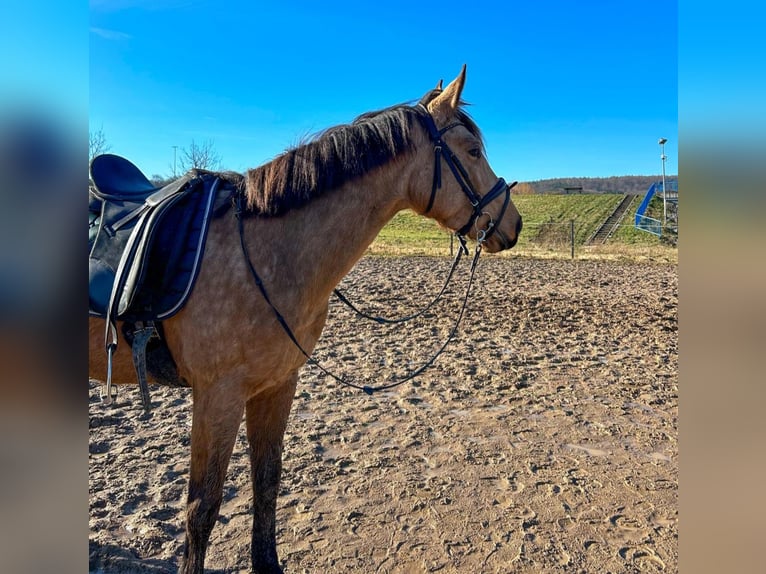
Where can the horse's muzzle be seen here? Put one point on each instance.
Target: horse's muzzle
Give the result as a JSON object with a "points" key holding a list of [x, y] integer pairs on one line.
{"points": [[506, 243]]}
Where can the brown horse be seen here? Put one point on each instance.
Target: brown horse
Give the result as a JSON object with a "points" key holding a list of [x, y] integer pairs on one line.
{"points": [[312, 213]]}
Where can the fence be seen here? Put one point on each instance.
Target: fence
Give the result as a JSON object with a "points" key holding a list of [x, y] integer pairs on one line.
{"points": [[558, 236], [649, 224], [569, 239]]}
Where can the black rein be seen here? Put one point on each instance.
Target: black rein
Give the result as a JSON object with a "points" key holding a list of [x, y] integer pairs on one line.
{"points": [[477, 202]]}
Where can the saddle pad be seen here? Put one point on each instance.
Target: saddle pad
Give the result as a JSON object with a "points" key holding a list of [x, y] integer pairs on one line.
{"points": [[144, 269], [114, 235], [176, 244]]}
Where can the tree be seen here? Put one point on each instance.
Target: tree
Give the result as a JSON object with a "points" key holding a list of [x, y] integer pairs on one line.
{"points": [[161, 180], [97, 143], [523, 188], [200, 156]]}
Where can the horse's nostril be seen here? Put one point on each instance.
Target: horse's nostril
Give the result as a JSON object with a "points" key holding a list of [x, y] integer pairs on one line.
{"points": [[518, 226]]}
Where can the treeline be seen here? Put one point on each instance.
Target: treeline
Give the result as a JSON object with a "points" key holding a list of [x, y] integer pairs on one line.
{"points": [[636, 184]]}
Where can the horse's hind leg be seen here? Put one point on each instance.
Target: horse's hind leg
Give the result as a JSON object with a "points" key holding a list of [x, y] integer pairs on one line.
{"points": [[216, 418], [266, 421]]}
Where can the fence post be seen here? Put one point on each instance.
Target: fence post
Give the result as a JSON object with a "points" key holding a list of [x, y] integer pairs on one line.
{"points": [[571, 235]]}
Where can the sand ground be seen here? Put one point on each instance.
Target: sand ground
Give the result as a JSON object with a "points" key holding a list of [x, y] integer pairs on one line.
{"points": [[545, 439]]}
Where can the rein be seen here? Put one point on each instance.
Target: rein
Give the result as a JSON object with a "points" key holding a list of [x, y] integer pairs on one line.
{"points": [[383, 320], [311, 360], [477, 202]]}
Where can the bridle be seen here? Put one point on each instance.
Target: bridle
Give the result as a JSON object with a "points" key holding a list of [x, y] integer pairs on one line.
{"points": [[478, 202]]}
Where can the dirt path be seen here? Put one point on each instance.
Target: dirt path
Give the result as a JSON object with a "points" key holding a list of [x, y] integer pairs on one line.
{"points": [[544, 440]]}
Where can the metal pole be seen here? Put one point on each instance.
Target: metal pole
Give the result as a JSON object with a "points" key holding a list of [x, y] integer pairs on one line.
{"points": [[663, 157], [571, 235]]}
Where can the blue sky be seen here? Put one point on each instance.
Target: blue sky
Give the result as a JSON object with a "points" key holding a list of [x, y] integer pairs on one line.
{"points": [[559, 88]]}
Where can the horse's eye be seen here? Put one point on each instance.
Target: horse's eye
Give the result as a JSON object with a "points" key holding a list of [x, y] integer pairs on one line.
{"points": [[475, 152]]}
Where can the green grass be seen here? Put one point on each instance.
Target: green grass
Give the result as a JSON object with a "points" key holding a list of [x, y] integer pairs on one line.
{"points": [[546, 231], [543, 211], [410, 234], [628, 234]]}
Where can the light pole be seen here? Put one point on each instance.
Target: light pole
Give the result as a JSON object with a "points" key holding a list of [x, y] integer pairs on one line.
{"points": [[175, 147], [663, 157]]}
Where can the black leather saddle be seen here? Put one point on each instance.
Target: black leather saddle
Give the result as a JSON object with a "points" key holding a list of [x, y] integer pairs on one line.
{"points": [[146, 246], [147, 243], [116, 178]]}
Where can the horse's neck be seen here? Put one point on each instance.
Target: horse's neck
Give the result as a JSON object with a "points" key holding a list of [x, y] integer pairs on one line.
{"points": [[323, 240]]}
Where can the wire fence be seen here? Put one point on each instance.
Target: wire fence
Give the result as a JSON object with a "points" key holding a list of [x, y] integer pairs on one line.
{"points": [[559, 236], [573, 239], [649, 224]]}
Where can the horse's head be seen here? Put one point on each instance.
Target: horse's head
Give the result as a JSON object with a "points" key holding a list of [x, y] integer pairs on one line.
{"points": [[459, 189]]}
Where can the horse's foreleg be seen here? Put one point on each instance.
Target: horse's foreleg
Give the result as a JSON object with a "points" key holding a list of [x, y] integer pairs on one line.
{"points": [[216, 419], [266, 421]]}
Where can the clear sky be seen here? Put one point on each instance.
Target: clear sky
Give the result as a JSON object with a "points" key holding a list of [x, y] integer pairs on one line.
{"points": [[559, 88]]}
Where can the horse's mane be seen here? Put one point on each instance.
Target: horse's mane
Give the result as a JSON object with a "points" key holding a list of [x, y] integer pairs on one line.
{"points": [[336, 156]]}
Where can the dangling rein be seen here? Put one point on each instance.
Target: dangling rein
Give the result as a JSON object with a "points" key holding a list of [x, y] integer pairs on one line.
{"points": [[385, 321], [366, 388], [478, 202]]}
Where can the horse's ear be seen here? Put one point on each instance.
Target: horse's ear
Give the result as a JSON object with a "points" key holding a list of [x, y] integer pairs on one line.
{"points": [[444, 105], [439, 85]]}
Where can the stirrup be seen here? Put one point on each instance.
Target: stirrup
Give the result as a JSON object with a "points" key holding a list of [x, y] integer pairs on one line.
{"points": [[110, 395]]}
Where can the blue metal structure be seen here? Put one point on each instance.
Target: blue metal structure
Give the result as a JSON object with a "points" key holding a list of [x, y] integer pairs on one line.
{"points": [[649, 224]]}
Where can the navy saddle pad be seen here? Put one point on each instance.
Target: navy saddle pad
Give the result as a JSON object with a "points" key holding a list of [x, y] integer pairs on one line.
{"points": [[146, 244]]}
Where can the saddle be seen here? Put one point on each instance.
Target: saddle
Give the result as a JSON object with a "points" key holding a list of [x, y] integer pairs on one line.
{"points": [[146, 245]]}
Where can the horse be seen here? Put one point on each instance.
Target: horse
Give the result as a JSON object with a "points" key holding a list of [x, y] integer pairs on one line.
{"points": [[308, 216]]}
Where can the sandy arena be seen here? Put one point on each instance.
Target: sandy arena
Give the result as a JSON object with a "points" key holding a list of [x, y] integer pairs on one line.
{"points": [[544, 439]]}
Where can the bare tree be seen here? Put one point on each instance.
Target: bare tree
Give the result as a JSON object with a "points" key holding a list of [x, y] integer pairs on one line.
{"points": [[97, 143], [200, 156], [523, 188], [161, 180]]}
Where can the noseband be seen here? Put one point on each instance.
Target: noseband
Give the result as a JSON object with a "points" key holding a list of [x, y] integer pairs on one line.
{"points": [[478, 202]]}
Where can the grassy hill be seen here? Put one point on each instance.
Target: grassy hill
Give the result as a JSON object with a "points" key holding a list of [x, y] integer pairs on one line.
{"points": [[633, 184], [547, 231], [548, 216]]}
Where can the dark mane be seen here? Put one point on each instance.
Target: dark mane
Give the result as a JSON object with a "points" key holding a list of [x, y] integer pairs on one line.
{"points": [[335, 157]]}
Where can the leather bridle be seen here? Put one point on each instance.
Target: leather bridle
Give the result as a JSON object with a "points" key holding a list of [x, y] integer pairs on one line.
{"points": [[478, 202]]}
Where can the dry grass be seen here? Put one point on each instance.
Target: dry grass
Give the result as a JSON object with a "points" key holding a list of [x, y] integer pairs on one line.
{"points": [[413, 236]]}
